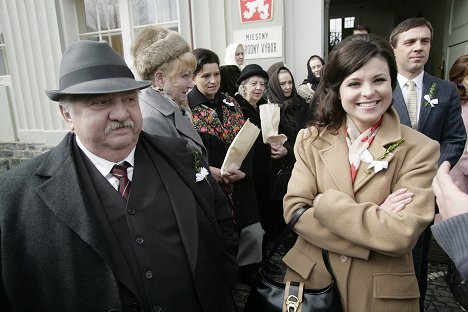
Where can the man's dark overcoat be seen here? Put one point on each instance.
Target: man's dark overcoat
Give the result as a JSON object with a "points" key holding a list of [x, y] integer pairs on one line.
{"points": [[53, 253]]}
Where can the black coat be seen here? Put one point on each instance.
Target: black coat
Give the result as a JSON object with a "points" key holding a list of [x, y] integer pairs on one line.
{"points": [[242, 195], [54, 257]]}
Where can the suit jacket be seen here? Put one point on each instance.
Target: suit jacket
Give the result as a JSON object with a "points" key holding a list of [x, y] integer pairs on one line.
{"points": [[370, 249], [162, 118], [442, 122], [53, 253]]}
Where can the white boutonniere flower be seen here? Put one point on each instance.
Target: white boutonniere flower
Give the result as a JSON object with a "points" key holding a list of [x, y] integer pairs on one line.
{"points": [[429, 98], [202, 174], [430, 101], [378, 165]]}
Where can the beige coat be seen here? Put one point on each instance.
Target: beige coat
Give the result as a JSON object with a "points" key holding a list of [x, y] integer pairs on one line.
{"points": [[370, 249]]}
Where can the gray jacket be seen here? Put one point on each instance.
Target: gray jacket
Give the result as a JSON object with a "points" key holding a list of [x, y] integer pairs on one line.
{"points": [[162, 118]]}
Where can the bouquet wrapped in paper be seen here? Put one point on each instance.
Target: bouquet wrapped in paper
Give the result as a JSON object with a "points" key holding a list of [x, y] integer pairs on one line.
{"points": [[270, 118], [240, 147]]}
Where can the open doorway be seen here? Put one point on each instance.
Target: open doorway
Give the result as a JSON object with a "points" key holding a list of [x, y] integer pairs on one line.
{"points": [[383, 15]]}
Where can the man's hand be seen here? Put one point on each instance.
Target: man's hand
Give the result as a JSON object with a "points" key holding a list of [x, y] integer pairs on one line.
{"points": [[450, 199]]}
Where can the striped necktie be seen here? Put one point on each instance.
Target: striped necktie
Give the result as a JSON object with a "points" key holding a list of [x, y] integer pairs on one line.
{"points": [[411, 102], [120, 172]]}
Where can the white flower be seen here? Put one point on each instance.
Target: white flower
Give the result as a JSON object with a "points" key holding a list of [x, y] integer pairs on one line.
{"points": [[376, 164], [430, 101], [199, 176], [225, 101]]}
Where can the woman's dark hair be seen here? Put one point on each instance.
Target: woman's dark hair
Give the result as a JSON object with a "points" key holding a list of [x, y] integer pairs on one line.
{"points": [[347, 57], [457, 73], [204, 56], [229, 75]]}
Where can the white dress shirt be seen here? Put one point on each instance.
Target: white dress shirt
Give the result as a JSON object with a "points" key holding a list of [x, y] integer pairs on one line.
{"points": [[104, 166], [418, 80]]}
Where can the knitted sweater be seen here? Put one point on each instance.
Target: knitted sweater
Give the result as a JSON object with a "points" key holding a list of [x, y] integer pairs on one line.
{"points": [[452, 236]]}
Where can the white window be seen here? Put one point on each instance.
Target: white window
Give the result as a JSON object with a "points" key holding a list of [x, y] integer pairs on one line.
{"points": [[106, 19], [336, 31], [349, 22], [155, 12]]}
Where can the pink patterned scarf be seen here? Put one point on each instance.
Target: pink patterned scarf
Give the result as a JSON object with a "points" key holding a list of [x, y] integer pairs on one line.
{"points": [[358, 142]]}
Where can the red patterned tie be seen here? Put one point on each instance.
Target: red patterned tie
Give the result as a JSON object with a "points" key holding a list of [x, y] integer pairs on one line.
{"points": [[120, 172]]}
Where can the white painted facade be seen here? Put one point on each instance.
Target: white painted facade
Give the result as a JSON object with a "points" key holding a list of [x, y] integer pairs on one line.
{"points": [[34, 33], [37, 31]]}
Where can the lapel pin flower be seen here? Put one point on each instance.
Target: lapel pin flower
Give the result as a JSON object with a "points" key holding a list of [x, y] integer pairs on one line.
{"points": [[228, 100], [429, 98], [379, 164], [201, 173], [228, 103]]}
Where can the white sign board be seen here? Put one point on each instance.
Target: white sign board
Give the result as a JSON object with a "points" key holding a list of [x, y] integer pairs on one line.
{"points": [[261, 42]]}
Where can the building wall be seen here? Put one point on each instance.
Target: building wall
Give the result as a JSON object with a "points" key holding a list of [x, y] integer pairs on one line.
{"points": [[456, 32], [12, 154], [33, 46], [36, 33]]}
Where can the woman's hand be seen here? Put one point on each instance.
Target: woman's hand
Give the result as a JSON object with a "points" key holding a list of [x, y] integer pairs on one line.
{"points": [[216, 173], [278, 151], [397, 201], [234, 176]]}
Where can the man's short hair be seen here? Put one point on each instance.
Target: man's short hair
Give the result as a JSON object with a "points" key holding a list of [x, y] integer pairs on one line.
{"points": [[362, 27], [406, 25]]}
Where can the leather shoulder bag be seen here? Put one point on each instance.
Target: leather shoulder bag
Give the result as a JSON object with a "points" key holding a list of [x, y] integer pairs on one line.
{"points": [[268, 295]]}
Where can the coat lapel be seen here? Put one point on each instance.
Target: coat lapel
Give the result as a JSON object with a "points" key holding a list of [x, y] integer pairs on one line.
{"points": [[400, 106], [181, 124], [174, 153], [334, 154], [425, 110], [62, 194]]}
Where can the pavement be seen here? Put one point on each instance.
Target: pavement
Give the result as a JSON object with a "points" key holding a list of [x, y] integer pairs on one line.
{"points": [[438, 297]]}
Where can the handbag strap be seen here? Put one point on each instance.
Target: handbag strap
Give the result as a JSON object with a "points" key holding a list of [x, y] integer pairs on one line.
{"points": [[282, 238], [326, 260]]}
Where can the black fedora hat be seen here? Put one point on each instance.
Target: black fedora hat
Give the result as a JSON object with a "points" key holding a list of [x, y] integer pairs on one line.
{"points": [[91, 67], [249, 71]]}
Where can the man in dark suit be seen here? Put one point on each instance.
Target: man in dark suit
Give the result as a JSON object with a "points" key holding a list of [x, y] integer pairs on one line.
{"points": [[436, 111], [113, 219]]}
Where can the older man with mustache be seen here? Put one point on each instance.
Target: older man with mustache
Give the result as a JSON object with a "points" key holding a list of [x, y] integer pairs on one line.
{"points": [[112, 219]]}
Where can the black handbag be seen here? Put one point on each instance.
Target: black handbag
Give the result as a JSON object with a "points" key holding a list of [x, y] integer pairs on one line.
{"points": [[268, 295], [458, 286]]}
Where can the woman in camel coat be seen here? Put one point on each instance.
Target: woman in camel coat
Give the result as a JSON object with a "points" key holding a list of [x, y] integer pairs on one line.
{"points": [[369, 217]]}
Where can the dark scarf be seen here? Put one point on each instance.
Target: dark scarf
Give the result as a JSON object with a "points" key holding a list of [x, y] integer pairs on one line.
{"points": [[276, 95], [314, 81]]}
